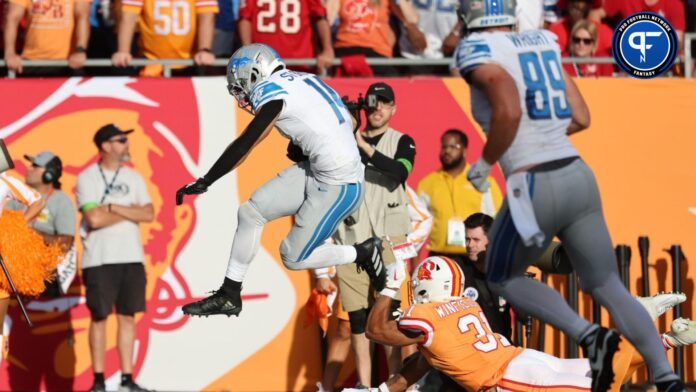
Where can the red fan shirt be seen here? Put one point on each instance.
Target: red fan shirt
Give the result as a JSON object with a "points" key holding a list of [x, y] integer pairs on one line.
{"points": [[284, 25]]}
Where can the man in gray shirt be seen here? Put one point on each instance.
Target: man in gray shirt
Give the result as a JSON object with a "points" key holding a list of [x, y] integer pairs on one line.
{"points": [[114, 201], [56, 221]]}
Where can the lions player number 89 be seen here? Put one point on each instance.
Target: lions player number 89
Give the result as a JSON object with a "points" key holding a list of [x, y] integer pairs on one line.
{"points": [[540, 75]]}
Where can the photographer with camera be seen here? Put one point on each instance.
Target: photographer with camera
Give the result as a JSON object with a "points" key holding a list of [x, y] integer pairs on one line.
{"points": [[388, 156]]}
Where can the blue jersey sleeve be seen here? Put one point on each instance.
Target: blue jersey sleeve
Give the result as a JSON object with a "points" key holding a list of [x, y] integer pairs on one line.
{"points": [[471, 53], [265, 92]]}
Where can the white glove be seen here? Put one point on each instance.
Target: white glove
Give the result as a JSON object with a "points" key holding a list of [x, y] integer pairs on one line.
{"points": [[396, 273], [478, 175]]}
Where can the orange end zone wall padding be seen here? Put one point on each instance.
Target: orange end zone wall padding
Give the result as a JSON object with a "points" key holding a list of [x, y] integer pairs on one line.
{"points": [[640, 145]]}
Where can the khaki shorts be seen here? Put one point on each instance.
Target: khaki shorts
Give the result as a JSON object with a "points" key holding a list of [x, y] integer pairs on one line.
{"points": [[355, 290]]}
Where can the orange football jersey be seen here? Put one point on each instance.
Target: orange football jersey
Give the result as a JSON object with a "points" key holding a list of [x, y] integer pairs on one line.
{"points": [[459, 342], [168, 27]]}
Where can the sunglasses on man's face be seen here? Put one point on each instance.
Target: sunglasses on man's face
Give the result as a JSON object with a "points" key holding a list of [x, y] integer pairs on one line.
{"points": [[122, 140], [586, 41]]}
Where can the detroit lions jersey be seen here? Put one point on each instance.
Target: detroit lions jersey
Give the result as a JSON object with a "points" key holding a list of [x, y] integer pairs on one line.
{"points": [[533, 60], [315, 119]]}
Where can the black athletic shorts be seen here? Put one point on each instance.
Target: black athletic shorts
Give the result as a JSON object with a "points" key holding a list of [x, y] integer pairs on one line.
{"points": [[122, 285]]}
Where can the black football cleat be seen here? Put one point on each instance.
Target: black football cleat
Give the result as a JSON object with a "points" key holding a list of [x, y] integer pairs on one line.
{"points": [[671, 386], [218, 303], [371, 262], [599, 349]]}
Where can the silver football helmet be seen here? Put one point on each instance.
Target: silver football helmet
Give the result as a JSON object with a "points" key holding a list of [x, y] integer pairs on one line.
{"points": [[248, 66], [478, 14]]}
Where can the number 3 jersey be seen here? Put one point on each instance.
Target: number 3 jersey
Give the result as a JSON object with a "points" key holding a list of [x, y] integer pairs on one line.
{"points": [[460, 343], [313, 118], [533, 60], [168, 27]]}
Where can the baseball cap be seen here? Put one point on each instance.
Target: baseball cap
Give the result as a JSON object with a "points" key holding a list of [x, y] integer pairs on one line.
{"points": [[107, 132], [381, 90], [41, 159]]}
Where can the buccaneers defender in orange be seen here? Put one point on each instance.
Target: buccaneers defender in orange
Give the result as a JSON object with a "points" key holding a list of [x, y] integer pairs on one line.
{"points": [[454, 337]]}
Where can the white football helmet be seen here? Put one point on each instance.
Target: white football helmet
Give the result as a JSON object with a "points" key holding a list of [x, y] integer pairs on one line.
{"points": [[478, 14], [437, 279], [248, 66]]}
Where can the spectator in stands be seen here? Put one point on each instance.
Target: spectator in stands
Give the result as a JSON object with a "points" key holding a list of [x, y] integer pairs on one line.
{"points": [[225, 28], [673, 10], [113, 199], [578, 10], [286, 26], [436, 20], [450, 197], [583, 43], [364, 31], [102, 21], [530, 14], [167, 31], [56, 30]]}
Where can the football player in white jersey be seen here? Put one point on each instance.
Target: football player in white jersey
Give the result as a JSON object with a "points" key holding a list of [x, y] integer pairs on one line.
{"points": [[320, 191], [528, 106]]}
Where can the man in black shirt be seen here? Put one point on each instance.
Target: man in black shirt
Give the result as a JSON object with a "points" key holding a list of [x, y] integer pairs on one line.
{"points": [[495, 308]]}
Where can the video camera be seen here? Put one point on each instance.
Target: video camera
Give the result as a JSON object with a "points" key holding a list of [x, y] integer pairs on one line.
{"points": [[362, 103]]}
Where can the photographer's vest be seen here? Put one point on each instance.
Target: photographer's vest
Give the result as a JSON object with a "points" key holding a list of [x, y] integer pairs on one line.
{"points": [[381, 212]]}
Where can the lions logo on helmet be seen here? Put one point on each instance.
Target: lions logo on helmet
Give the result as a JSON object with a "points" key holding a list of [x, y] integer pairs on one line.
{"points": [[478, 14], [249, 66], [437, 279]]}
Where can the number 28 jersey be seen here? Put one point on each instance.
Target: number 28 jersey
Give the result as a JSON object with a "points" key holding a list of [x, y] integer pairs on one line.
{"points": [[284, 25], [460, 343], [533, 60]]}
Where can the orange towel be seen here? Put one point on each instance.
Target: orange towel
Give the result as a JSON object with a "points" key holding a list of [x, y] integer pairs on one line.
{"points": [[28, 259], [317, 308]]}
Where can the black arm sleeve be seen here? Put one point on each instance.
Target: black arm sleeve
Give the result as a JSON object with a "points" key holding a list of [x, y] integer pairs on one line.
{"points": [[401, 165], [241, 145]]}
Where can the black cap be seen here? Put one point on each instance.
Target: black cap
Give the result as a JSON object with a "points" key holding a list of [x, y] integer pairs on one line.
{"points": [[381, 90], [107, 132]]}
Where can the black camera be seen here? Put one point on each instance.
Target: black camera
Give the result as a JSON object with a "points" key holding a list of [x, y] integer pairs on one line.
{"points": [[362, 103]]}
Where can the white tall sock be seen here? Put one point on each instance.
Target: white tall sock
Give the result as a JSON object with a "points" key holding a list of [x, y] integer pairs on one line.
{"points": [[325, 255], [246, 243]]}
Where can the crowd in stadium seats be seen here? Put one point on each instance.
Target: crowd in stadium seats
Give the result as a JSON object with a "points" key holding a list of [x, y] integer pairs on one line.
{"points": [[351, 30]]}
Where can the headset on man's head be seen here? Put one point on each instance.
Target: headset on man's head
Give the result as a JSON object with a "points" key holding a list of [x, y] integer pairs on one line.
{"points": [[53, 170]]}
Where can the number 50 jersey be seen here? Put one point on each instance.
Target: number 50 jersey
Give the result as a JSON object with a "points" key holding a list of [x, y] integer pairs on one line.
{"points": [[533, 60], [168, 27]]}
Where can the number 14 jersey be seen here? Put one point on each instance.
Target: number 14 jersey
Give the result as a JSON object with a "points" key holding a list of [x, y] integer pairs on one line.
{"points": [[533, 60], [460, 343]]}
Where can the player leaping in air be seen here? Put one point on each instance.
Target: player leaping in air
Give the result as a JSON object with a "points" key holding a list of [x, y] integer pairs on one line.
{"points": [[320, 192]]}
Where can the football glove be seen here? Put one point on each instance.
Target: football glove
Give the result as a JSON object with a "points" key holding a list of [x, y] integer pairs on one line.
{"points": [[193, 188], [478, 175], [396, 273]]}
